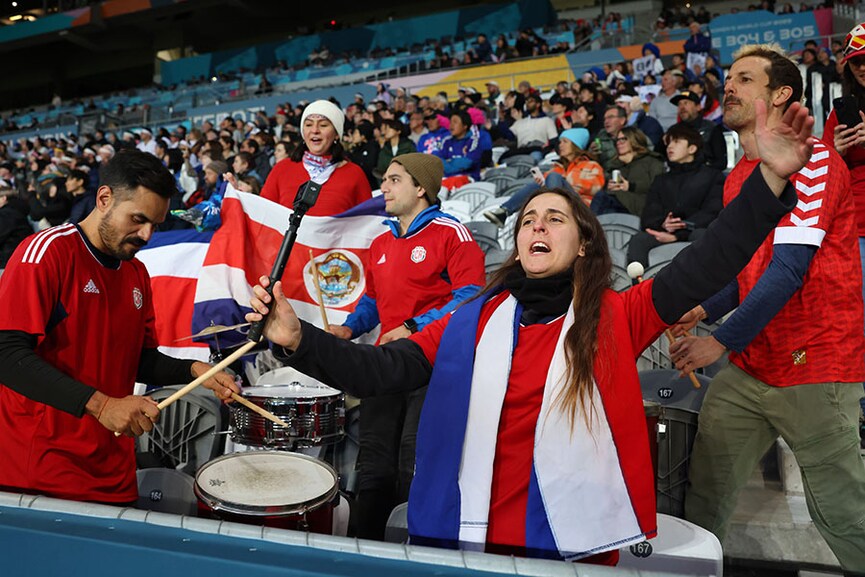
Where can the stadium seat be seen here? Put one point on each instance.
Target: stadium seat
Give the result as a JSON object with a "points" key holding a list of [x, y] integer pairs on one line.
{"points": [[166, 491], [460, 209], [396, 529], [666, 252], [485, 234], [731, 139], [681, 548], [620, 280], [473, 196], [619, 257], [666, 387], [498, 151], [618, 236], [494, 259], [620, 218], [187, 433], [512, 171], [522, 160], [503, 182]]}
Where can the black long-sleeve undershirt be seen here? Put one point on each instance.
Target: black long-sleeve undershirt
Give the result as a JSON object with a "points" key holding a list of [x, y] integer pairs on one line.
{"points": [[695, 274], [26, 373]]}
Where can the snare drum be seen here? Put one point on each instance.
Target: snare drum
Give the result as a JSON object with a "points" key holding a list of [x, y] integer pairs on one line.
{"points": [[271, 488], [315, 413]]}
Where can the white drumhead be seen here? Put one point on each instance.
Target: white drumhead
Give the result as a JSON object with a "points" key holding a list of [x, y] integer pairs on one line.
{"points": [[291, 391], [265, 479], [285, 376]]}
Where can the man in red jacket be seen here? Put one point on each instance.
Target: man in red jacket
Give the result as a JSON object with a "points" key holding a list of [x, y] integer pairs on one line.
{"points": [[420, 270], [792, 372]]}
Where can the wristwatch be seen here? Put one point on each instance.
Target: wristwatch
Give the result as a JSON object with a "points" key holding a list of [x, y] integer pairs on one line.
{"points": [[411, 325]]}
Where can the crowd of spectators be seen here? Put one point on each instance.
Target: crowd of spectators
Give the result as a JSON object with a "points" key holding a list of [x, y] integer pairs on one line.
{"points": [[447, 52], [56, 178], [625, 108]]}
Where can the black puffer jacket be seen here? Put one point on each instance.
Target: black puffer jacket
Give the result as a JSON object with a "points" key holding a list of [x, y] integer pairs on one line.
{"points": [[14, 227], [691, 191]]}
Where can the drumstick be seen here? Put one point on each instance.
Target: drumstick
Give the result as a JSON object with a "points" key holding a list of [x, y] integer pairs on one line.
{"points": [[636, 271], [318, 290], [210, 372], [201, 378], [691, 374], [263, 412]]}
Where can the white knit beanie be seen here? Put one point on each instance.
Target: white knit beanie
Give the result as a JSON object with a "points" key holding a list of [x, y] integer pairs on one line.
{"points": [[327, 109]]}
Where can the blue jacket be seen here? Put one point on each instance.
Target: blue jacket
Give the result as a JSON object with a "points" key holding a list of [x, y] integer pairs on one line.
{"points": [[431, 142], [463, 156], [700, 43]]}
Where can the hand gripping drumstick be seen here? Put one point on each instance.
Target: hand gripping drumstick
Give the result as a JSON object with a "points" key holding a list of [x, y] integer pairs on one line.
{"points": [[206, 375], [212, 371], [635, 271], [307, 194], [691, 374], [314, 272]]}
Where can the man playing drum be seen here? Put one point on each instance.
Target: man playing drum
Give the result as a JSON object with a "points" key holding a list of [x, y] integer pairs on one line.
{"points": [[76, 332]]}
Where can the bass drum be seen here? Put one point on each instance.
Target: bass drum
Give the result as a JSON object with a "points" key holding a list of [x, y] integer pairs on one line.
{"points": [[271, 488]]}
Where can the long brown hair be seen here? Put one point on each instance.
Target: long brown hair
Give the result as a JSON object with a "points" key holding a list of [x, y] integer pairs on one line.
{"points": [[591, 278], [851, 87], [637, 139]]}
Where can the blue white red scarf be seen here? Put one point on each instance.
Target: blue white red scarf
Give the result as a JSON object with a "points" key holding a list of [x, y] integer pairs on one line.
{"points": [[319, 168], [578, 503]]}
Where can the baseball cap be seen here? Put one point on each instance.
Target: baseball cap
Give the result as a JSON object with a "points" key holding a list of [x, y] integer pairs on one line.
{"points": [[685, 95], [854, 42]]}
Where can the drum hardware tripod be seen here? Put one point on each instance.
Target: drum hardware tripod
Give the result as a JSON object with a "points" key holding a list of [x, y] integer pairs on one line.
{"points": [[215, 355]]}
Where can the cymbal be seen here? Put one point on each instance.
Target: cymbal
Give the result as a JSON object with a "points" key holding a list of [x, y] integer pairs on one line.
{"points": [[212, 330]]}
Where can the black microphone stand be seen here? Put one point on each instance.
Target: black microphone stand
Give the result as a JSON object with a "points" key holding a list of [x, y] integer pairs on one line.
{"points": [[307, 194]]}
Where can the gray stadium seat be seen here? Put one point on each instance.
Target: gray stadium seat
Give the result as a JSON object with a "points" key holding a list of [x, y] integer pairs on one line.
{"points": [[619, 228], [521, 160], [475, 197], [622, 219], [493, 260], [666, 387], [396, 529], [166, 491], [485, 233], [620, 280], [666, 252], [187, 433], [618, 236]]}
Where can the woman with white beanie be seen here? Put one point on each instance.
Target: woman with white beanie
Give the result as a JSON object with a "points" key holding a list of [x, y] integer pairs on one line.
{"points": [[320, 158]]}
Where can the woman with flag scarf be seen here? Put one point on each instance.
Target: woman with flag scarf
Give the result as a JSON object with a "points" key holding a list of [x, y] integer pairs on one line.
{"points": [[533, 441], [320, 158]]}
